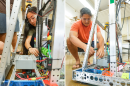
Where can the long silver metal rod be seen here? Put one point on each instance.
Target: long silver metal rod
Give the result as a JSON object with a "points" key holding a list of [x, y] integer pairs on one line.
{"points": [[37, 26], [9, 37], [95, 45], [90, 37], [95, 39], [57, 49], [7, 24], [112, 27], [19, 36], [7, 13], [99, 24]]}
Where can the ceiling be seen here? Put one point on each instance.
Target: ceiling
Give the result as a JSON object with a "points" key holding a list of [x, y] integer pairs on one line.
{"points": [[103, 14], [76, 4]]}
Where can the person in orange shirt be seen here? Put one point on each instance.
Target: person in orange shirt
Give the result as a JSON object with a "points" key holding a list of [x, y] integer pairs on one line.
{"points": [[79, 35]]}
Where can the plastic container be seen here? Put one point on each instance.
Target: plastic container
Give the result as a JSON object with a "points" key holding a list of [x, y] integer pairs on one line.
{"points": [[95, 71], [24, 83]]}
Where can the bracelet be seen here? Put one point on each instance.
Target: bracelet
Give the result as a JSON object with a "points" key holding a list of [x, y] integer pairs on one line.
{"points": [[29, 47]]}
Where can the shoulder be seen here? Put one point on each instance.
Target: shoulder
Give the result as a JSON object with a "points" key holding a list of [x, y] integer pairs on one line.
{"points": [[77, 23]]}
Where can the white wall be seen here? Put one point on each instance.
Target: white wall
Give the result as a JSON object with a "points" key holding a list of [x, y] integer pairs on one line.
{"points": [[69, 20], [124, 30]]}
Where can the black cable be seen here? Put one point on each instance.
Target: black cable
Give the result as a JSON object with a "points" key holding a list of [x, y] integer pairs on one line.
{"points": [[44, 44], [53, 16], [43, 8], [118, 9], [119, 54], [38, 26], [108, 34]]}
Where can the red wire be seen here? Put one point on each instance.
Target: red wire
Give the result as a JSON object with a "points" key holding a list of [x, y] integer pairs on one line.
{"points": [[62, 62], [27, 78], [41, 60], [48, 27]]}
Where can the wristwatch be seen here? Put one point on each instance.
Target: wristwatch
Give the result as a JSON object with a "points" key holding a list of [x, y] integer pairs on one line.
{"points": [[29, 47]]}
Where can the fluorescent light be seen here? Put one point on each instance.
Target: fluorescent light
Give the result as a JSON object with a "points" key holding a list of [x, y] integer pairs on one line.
{"points": [[68, 14], [128, 1], [86, 4]]}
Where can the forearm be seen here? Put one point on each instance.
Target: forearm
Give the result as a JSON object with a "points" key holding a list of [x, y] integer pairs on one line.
{"points": [[77, 42], [27, 44], [101, 43], [1, 47]]}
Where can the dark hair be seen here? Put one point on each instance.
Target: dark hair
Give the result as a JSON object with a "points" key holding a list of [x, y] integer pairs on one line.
{"points": [[28, 27], [85, 10]]}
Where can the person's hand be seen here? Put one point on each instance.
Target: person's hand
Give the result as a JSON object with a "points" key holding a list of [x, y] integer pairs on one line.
{"points": [[100, 52], [34, 51], [91, 51]]}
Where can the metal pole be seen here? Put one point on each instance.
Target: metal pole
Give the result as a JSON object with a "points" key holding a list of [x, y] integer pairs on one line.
{"points": [[7, 24], [7, 13], [58, 40], [9, 37], [95, 39], [90, 37], [19, 36], [112, 36]]}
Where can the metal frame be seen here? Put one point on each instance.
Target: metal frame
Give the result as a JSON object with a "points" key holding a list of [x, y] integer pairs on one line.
{"points": [[9, 38], [98, 79], [112, 37], [58, 41], [90, 37]]}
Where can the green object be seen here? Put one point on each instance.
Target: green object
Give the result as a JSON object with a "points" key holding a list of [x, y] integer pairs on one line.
{"points": [[111, 1], [96, 49], [49, 50], [108, 51], [125, 76], [45, 51]]}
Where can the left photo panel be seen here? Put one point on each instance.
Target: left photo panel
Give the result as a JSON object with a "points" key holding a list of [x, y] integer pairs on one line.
{"points": [[32, 43]]}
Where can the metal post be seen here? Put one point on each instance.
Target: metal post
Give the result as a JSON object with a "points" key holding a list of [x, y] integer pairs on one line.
{"points": [[58, 41], [19, 36], [7, 24], [90, 37], [95, 39], [38, 26], [7, 13], [112, 36], [9, 37], [127, 28]]}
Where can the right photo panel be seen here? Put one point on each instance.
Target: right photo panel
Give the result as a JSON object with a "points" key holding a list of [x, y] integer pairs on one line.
{"points": [[97, 43]]}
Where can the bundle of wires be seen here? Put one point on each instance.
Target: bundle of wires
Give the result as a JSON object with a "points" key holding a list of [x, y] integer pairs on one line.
{"points": [[35, 78], [118, 6], [41, 60]]}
